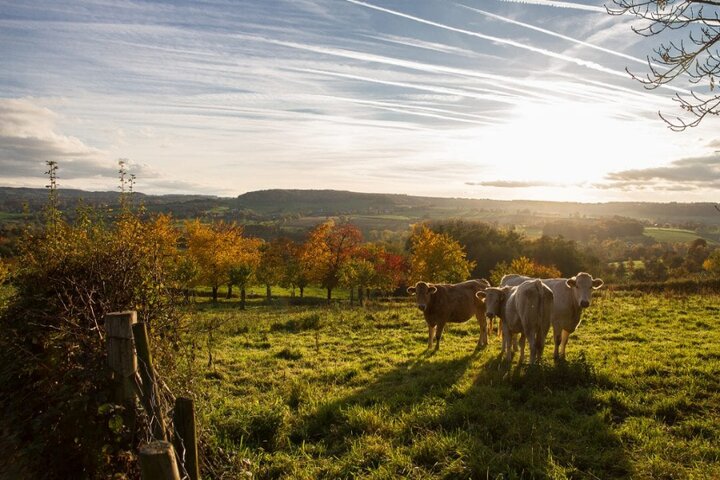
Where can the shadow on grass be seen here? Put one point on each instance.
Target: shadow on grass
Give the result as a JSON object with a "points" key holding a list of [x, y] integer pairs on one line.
{"points": [[519, 422]]}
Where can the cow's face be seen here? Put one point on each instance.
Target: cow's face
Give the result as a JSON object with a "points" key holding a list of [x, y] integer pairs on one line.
{"points": [[494, 299], [423, 294], [582, 286]]}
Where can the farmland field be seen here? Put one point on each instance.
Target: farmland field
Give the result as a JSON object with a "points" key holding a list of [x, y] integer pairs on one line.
{"points": [[337, 392], [673, 235]]}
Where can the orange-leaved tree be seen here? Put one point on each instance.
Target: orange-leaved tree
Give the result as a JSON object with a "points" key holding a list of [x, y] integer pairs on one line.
{"points": [[523, 266], [326, 249], [437, 257]]}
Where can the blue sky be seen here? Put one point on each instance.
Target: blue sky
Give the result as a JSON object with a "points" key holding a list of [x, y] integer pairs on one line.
{"points": [[469, 98]]}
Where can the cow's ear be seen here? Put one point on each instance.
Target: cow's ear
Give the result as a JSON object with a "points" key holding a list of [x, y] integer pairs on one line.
{"points": [[570, 282], [480, 294], [597, 283], [432, 289], [485, 282], [411, 290]]}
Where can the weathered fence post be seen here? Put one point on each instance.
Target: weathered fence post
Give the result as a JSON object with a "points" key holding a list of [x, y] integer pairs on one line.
{"points": [[157, 462], [121, 352], [185, 438], [150, 394]]}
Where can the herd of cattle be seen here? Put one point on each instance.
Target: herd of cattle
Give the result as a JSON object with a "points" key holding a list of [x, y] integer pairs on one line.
{"points": [[523, 305]]}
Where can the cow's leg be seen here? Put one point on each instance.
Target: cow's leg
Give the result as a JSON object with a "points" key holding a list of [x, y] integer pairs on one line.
{"points": [[484, 322], [522, 348], [563, 342], [514, 341], [431, 336], [557, 338], [438, 335], [540, 345], [499, 329], [531, 345]]}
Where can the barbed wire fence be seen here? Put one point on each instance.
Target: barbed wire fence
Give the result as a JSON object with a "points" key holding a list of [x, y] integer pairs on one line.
{"points": [[169, 449]]}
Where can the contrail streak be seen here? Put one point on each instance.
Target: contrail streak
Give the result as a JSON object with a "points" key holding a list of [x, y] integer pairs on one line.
{"points": [[505, 41], [557, 4], [554, 34]]}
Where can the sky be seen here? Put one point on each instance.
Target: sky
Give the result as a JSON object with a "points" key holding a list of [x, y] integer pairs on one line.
{"points": [[503, 99]]}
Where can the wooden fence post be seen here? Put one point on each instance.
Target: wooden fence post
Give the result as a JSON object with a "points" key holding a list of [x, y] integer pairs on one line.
{"points": [[185, 438], [157, 462], [121, 352], [150, 394]]}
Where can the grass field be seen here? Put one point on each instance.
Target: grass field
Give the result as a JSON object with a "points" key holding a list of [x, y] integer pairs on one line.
{"points": [[351, 393], [674, 235]]}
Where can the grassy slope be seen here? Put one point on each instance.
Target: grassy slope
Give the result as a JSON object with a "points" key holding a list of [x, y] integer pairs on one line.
{"points": [[673, 235], [340, 393]]}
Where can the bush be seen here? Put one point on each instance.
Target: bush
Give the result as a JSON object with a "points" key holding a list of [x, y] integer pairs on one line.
{"points": [[56, 393]]}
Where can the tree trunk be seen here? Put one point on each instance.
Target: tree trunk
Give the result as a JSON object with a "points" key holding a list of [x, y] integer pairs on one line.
{"points": [[292, 294], [229, 292], [242, 298], [352, 295], [361, 299], [329, 295], [268, 293], [215, 294], [302, 291]]}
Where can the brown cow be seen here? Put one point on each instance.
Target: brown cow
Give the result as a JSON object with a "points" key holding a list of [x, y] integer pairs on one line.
{"points": [[450, 303]]}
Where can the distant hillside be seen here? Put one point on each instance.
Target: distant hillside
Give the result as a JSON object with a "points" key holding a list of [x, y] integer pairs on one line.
{"points": [[299, 209], [334, 202]]}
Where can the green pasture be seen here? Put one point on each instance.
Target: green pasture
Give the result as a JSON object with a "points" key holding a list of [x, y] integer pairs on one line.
{"points": [[340, 392], [674, 235]]}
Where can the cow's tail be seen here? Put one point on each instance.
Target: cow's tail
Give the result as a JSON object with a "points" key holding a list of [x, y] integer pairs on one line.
{"points": [[539, 340]]}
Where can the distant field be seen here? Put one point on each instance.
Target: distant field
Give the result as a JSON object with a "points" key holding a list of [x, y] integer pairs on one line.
{"points": [[673, 235], [329, 393]]}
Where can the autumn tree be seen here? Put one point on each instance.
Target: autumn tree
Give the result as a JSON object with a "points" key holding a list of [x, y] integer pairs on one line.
{"points": [[272, 258], [358, 273], [523, 266], [693, 59], [712, 263], [243, 268], [436, 257], [294, 272], [215, 247], [326, 249]]}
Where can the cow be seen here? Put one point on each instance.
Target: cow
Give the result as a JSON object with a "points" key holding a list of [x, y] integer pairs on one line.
{"points": [[450, 303], [523, 309], [571, 297]]}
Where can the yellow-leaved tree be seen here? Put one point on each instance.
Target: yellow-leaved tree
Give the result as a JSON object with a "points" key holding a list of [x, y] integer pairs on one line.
{"points": [[523, 266], [216, 248], [436, 257]]}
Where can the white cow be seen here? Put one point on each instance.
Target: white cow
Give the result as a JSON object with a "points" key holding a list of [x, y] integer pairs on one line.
{"points": [[523, 309], [571, 296]]}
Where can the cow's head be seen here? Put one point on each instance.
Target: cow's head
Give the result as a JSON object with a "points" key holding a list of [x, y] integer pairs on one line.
{"points": [[423, 294], [582, 286], [494, 298]]}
